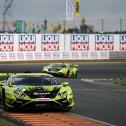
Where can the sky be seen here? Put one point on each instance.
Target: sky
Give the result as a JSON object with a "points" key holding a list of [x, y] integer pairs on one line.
{"points": [[55, 9]]}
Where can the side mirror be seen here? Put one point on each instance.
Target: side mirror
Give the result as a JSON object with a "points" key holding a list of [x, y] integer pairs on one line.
{"points": [[65, 83]]}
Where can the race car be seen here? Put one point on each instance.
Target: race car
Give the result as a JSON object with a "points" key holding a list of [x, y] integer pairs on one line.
{"points": [[35, 90], [61, 69]]}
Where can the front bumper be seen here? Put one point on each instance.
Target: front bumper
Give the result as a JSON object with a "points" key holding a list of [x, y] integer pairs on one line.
{"points": [[51, 104], [55, 73]]}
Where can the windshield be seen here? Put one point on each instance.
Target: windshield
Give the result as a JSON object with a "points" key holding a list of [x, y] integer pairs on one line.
{"points": [[57, 65], [3, 78], [33, 81]]}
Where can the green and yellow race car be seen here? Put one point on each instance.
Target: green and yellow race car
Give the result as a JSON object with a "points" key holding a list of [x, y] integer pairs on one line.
{"points": [[35, 90], [61, 69]]}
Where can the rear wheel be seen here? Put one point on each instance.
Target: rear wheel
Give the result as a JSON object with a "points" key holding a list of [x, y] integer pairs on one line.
{"points": [[67, 74], [76, 74]]}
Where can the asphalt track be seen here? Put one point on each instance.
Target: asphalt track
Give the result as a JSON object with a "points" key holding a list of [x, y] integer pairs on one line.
{"points": [[95, 94]]}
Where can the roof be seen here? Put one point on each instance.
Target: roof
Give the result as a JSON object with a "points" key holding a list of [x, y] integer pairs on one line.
{"points": [[32, 74]]}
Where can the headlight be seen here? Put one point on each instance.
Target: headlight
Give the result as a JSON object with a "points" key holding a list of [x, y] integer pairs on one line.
{"points": [[63, 95], [19, 94]]}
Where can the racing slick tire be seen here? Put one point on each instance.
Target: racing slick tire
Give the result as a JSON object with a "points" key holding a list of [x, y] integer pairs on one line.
{"points": [[67, 74], [76, 74], [4, 102]]}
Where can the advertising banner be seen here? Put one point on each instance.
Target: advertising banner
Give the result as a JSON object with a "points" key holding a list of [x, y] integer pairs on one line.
{"points": [[47, 55], [104, 42], [12, 56], [69, 10], [104, 55], [79, 43], [65, 55], [6, 43], [3, 56], [122, 42], [22, 47], [94, 55], [84, 55], [75, 55], [38, 55], [20, 56], [50, 42], [27, 42], [77, 7], [56, 55]]}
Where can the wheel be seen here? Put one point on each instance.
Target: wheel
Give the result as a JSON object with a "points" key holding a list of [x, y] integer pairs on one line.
{"points": [[4, 101], [67, 74], [76, 74]]}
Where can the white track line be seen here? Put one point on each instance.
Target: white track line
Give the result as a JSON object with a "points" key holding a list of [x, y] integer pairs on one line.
{"points": [[84, 117], [111, 90], [88, 80]]}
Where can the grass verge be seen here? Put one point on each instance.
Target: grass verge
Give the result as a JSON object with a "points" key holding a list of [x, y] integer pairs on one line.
{"points": [[6, 123], [121, 82]]}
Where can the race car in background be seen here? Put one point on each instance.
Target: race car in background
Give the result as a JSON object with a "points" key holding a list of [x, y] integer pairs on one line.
{"points": [[61, 69], [35, 90]]}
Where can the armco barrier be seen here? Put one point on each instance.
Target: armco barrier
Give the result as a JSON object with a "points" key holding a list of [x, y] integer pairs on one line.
{"points": [[22, 47]]}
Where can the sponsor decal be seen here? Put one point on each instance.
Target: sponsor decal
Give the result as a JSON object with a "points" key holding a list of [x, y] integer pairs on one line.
{"points": [[27, 42], [29, 56], [75, 55], [3, 56], [56, 55], [66, 55], [94, 55], [104, 55], [79, 43], [20, 56], [12, 56], [6, 43], [50, 42], [104, 42], [43, 99], [38, 55], [122, 42], [84, 55], [47, 55]]}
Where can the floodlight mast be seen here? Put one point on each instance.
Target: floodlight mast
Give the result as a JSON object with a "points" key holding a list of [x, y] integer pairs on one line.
{"points": [[6, 12]]}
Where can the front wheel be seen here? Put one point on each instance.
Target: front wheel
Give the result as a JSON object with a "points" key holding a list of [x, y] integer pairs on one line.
{"points": [[5, 107]]}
